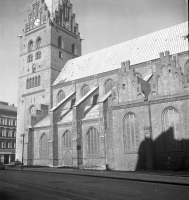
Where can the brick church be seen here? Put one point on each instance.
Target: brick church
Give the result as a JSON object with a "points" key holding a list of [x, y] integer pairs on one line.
{"points": [[125, 107]]}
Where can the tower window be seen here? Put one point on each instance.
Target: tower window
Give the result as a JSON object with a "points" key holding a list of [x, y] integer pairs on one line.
{"points": [[60, 55], [38, 55], [60, 42], [30, 58], [30, 46], [38, 43], [74, 49]]}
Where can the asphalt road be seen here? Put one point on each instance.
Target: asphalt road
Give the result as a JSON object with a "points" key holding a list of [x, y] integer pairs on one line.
{"points": [[26, 185]]}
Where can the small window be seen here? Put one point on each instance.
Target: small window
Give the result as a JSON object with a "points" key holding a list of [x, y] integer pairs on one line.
{"points": [[14, 134], [38, 55], [3, 145], [38, 43], [30, 46], [33, 111], [30, 58], [4, 133], [60, 55], [10, 133], [9, 145], [60, 42], [74, 49], [39, 80], [33, 68], [36, 81]]}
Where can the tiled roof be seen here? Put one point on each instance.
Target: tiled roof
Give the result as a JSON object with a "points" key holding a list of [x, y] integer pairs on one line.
{"points": [[137, 50], [46, 121], [8, 108], [93, 113]]}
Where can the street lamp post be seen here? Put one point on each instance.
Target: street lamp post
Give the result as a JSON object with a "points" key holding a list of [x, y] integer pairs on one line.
{"points": [[22, 135]]}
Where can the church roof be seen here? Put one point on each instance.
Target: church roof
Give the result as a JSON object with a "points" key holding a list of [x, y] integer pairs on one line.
{"points": [[46, 121], [137, 50]]}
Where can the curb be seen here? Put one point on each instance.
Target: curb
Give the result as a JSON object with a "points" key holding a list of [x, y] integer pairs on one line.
{"points": [[135, 177]]}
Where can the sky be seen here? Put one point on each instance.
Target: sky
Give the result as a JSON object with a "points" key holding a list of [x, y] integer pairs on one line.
{"points": [[102, 23]]}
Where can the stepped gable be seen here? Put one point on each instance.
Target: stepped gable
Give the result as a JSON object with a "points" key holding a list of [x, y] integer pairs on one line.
{"points": [[168, 79], [138, 50], [127, 88]]}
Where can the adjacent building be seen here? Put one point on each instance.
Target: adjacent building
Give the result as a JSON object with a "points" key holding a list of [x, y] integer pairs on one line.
{"points": [[125, 107], [8, 121]]}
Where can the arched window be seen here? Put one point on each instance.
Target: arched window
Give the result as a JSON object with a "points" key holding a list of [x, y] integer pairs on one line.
{"points": [[130, 133], [38, 42], [92, 141], [60, 96], [109, 84], [30, 82], [30, 45], [84, 90], [27, 84], [39, 80], [74, 49], [33, 111], [43, 146], [66, 140], [172, 129], [60, 42], [36, 81]]}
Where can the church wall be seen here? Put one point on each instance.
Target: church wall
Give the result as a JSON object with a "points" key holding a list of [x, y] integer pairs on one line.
{"points": [[90, 161], [61, 150], [37, 159], [125, 160], [170, 159]]}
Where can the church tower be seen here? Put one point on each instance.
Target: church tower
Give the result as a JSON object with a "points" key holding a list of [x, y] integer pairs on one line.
{"points": [[50, 38]]}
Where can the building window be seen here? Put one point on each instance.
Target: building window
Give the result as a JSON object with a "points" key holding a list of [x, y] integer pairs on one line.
{"points": [[130, 133], [38, 43], [30, 46], [60, 42], [4, 133], [43, 146], [5, 121], [3, 145], [84, 90], [172, 129], [38, 55], [14, 145], [60, 55], [14, 134], [109, 84], [36, 81], [60, 96], [30, 58], [39, 80], [10, 133], [74, 49], [92, 141], [9, 145], [67, 140], [33, 111]]}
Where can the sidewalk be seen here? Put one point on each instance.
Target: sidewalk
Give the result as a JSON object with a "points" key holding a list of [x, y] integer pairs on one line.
{"points": [[169, 177]]}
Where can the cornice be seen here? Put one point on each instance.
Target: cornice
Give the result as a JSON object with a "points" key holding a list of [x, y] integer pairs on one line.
{"points": [[32, 93]]}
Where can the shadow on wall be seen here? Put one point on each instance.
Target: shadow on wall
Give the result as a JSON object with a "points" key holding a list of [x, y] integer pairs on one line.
{"points": [[164, 153]]}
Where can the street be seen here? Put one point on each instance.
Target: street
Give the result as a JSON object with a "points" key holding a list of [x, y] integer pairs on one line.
{"points": [[26, 185]]}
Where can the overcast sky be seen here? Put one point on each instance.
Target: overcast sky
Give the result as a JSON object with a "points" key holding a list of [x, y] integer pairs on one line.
{"points": [[102, 23]]}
